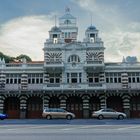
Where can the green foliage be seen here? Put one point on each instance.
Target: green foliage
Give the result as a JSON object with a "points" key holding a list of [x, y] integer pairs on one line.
{"points": [[20, 57], [9, 59], [6, 58]]}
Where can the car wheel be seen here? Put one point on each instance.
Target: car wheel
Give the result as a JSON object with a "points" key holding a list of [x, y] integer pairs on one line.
{"points": [[48, 117], [120, 117], [68, 117], [100, 117]]}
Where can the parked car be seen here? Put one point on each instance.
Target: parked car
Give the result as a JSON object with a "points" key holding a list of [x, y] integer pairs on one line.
{"points": [[50, 113], [108, 113], [3, 116]]}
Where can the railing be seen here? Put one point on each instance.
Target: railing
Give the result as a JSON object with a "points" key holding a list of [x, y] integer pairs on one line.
{"points": [[94, 62], [95, 85], [53, 85], [69, 86]]}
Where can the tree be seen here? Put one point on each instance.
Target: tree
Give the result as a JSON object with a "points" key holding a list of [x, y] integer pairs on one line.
{"points": [[9, 59], [20, 57], [6, 58]]}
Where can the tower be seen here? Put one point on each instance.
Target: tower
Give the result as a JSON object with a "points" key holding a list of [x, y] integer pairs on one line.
{"points": [[67, 24], [55, 35], [91, 34]]}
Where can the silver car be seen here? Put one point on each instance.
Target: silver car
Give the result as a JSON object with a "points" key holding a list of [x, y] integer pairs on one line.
{"points": [[108, 113], [57, 113]]}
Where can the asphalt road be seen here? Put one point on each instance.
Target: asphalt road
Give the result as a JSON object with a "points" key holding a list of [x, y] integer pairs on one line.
{"points": [[70, 130]]}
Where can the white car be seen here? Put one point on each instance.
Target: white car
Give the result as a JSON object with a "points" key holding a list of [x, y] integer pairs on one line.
{"points": [[108, 113], [57, 113]]}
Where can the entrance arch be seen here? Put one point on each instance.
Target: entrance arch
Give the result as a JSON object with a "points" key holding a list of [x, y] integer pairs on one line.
{"points": [[94, 104], [54, 102], [12, 107], [135, 107], [34, 107], [115, 102], [74, 104]]}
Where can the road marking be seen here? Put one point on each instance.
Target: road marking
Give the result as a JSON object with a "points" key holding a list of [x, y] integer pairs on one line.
{"points": [[130, 127]]}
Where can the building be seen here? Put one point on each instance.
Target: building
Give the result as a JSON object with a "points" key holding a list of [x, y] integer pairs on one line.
{"points": [[72, 76]]}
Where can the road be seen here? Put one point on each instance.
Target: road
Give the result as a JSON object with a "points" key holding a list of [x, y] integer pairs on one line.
{"points": [[70, 130]]}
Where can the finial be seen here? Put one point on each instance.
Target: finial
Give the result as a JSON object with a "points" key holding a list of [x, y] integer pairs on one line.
{"points": [[123, 60], [91, 19], [67, 9], [55, 20]]}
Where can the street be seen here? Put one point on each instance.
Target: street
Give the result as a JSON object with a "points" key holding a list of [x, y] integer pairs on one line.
{"points": [[67, 130]]}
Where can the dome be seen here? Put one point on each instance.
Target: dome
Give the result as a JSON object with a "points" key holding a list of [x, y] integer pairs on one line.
{"points": [[67, 16], [55, 29], [91, 28]]}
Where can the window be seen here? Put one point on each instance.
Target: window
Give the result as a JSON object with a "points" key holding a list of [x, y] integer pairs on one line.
{"points": [[67, 21], [115, 80], [74, 58], [7, 81], [119, 80], [29, 81], [107, 80], [138, 79], [133, 79], [15, 81], [11, 81], [96, 80], [37, 81], [33, 81], [129, 79], [74, 77], [41, 80]]}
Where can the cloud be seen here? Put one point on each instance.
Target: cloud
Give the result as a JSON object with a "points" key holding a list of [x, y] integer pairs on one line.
{"points": [[25, 35], [120, 35]]}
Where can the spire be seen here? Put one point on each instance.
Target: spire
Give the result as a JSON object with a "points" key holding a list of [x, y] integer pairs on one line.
{"points": [[91, 19], [55, 20], [123, 60], [67, 10]]}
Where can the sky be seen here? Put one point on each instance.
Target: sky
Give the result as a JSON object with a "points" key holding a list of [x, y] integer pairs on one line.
{"points": [[24, 25]]}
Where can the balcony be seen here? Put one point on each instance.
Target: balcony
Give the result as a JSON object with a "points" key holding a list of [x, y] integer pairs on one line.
{"points": [[94, 65], [57, 64], [74, 86]]}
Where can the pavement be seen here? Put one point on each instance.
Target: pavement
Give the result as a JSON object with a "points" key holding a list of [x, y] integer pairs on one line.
{"points": [[78, 129], [72, 122]]}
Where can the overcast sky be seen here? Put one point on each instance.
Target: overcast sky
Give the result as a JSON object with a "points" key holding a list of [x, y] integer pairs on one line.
{"points": [[24, 25]]}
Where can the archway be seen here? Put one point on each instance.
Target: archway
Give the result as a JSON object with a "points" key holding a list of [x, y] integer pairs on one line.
{"points": [[54, 102], [34, 107], [94, 104], [135, 107], [12, 107], [74, 104], [115, 102]]}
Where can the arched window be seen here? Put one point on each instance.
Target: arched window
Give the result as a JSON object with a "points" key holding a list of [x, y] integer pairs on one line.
{"points": [[67, 21], [74, 58]]}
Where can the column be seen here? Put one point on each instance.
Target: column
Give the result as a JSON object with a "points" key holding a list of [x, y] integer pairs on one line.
{"points": [[86, 108], [103, 98], [126, 104], [46, 101], [63, 103], [23, 107], [1, 103]]}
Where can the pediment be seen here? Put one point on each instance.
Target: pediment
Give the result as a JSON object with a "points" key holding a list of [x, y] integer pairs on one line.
{"points": [[74, 45]]}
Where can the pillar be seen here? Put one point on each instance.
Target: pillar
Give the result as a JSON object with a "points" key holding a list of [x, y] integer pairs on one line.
{"points": [[1, 104], [46, 101], [126, 105], [63, 103], [86, 108], [23, 108]]}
